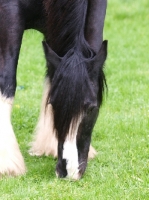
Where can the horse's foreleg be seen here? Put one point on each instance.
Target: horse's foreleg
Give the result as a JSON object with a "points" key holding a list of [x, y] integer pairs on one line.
{"points": [[11, 160], [45, 142]]}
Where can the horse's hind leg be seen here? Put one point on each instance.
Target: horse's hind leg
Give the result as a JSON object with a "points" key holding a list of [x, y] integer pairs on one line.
{"points": [[45, 142], [11, 30]]}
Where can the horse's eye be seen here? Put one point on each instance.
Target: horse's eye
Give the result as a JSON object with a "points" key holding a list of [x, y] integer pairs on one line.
{"points": [[91, 108]]}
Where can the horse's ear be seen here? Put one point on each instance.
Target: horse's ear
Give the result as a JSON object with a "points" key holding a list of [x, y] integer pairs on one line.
{"points": [[50, 55], [101, 56], [97, 63]]}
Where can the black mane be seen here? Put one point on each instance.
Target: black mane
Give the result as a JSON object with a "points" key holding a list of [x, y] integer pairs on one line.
{"points": [[65, 24]]}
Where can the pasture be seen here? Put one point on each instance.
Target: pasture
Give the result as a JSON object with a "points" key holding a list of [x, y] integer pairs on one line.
{"points": [[121, 134]]}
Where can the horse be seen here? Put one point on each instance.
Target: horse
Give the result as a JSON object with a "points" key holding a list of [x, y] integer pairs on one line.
{"points": [[74, 83]]}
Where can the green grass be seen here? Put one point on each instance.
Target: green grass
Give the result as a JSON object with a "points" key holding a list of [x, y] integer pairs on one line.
{"points": [[121, 134]]}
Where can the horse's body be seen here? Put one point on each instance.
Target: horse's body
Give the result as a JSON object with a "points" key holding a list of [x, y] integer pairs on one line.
{"points": [[74, 81]]}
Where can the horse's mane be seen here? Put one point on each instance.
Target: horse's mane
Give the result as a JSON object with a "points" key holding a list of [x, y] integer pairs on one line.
{"points": [[65, 22], [65, 35]]}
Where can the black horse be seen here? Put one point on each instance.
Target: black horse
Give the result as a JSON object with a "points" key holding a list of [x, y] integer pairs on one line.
{"points": [[74, 85]]}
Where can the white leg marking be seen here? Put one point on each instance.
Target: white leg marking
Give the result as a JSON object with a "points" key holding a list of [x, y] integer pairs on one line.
{"points": [[11, 160], [45, 141], [70, 153]]}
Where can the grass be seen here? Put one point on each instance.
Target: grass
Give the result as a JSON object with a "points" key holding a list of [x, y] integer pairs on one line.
{"points": [[121, 134]]}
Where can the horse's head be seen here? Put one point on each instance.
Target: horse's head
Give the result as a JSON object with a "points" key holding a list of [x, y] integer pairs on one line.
{"points": [[77, 85]]}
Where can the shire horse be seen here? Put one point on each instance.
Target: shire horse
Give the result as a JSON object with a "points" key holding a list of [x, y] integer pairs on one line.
{"points": [[74, 84]]}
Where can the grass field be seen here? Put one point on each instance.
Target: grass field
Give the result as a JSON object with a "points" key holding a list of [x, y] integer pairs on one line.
{"points": [[121, 135]]}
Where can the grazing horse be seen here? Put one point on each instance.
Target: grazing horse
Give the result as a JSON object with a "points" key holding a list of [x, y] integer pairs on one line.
{"points": [[74, 84]]}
